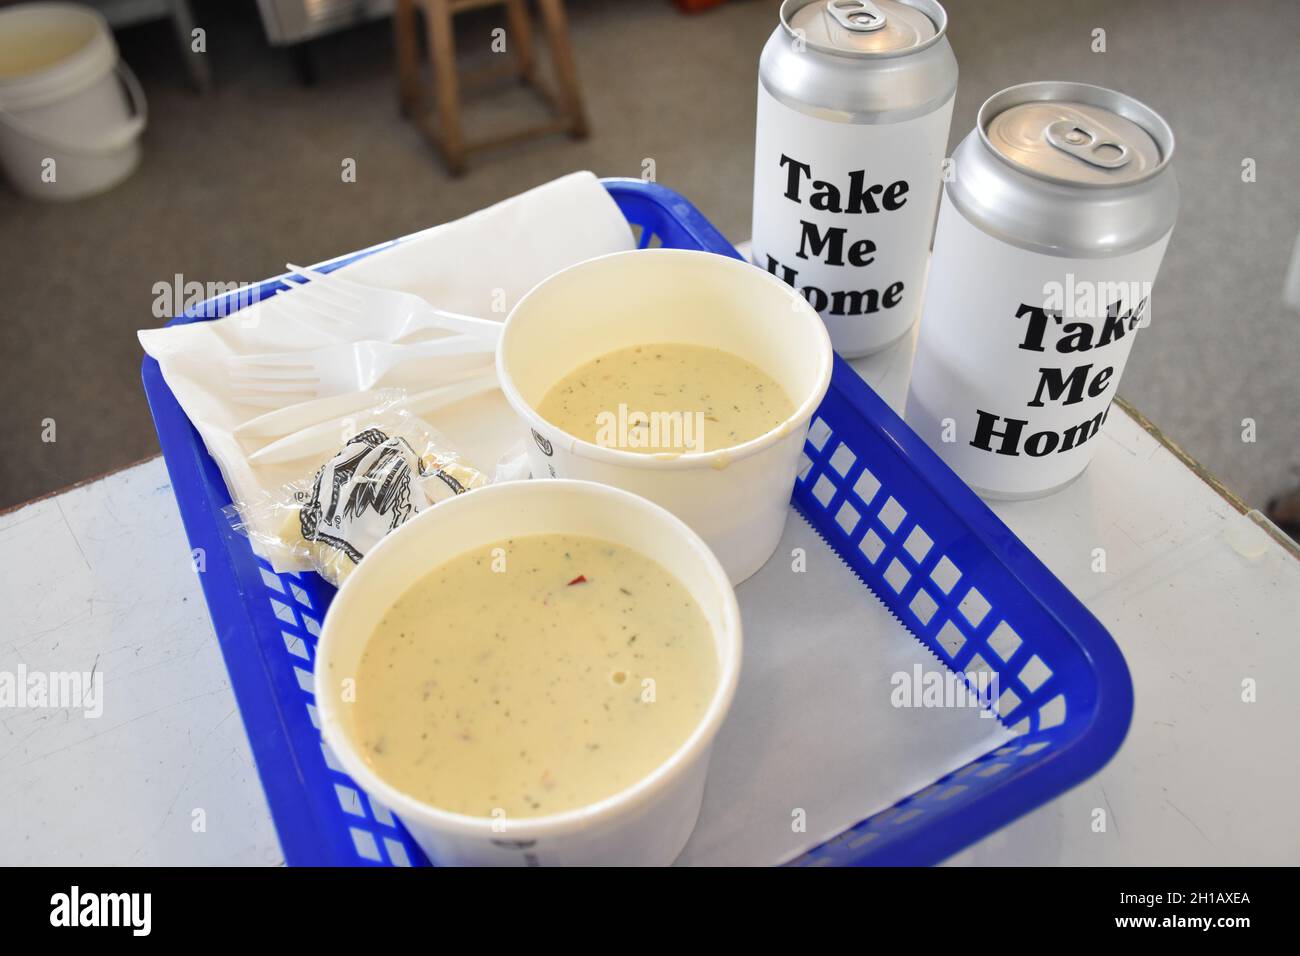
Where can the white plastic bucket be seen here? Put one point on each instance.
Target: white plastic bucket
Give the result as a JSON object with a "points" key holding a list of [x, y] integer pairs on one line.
{"points": [[736, 499], [71, 112], [646, 824]]}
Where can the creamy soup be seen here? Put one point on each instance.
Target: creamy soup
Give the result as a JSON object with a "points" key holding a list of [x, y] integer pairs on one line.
{"points": [[533, 676], [674, 398]]}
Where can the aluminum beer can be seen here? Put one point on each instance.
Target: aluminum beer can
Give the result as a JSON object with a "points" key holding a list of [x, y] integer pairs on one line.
{"points": [[1050, 234], [854, 103]]}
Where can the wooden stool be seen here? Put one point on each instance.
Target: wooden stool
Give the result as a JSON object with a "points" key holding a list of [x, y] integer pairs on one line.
{"points": [[441, 124]]}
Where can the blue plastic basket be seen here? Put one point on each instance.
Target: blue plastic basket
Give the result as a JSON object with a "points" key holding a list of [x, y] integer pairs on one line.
{"points": [[926, 545]]}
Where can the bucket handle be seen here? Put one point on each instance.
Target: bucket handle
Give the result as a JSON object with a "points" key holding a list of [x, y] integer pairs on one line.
{"points": [[111, 143]]}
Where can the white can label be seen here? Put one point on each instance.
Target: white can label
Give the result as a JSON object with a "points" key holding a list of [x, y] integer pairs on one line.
{"points": [[1020, 353], [843, 212]]}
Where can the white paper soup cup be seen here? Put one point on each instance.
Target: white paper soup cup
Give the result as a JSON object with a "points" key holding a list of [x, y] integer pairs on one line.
{"points": [[736, 498], [645, 824]]}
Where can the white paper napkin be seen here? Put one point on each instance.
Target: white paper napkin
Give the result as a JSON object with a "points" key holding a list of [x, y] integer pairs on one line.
{"points": [[480, 265], [813, 737]]}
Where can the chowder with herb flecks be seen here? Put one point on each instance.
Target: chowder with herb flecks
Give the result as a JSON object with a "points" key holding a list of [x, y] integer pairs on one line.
{"points": [[532, 676], [669, 397]]}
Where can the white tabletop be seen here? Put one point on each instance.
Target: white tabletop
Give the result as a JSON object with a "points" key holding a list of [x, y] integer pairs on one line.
{"points": [[1200, 597]]}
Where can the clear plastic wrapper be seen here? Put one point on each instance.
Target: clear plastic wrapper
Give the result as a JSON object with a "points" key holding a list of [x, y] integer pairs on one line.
{"points": [[389, 466]]}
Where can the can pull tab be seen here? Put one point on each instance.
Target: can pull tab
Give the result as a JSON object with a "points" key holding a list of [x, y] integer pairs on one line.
{"points": [[1087, 143], [860, 16]]}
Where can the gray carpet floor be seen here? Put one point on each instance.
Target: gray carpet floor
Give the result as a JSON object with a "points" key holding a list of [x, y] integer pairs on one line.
{"points": [[235, 183]]}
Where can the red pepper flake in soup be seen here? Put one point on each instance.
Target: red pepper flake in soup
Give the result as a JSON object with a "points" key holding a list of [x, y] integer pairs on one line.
{"points": [[580, 579]]}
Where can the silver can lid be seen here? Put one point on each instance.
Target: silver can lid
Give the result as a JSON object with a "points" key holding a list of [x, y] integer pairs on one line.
{"points": [[1076, 134], [859, 27]]}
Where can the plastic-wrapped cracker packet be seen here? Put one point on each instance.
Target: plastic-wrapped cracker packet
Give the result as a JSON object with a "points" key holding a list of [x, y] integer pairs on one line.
{"points": [[390, 465]]}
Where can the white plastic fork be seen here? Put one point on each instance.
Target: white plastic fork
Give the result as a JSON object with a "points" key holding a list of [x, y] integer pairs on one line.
{"points": [[282, 378], [323, 437], [373, 312], [287, 419]]}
